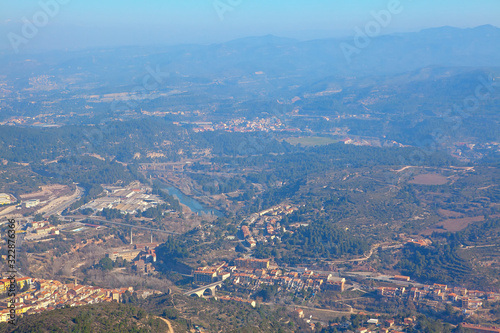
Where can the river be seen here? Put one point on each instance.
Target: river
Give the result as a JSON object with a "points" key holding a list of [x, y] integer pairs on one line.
{"points": [[195, 206]]}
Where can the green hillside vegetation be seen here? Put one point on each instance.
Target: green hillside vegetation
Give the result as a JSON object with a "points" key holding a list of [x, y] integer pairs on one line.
{"points": [[437, 264], [216, 316], [455, 262], [319, 240], [104, 317]]}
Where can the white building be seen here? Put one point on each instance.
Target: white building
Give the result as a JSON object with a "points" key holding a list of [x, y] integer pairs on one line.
{"points": [[32, 203]]}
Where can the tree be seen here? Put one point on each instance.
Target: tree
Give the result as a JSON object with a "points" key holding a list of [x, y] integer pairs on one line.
{"points": [[141, 314], [240, 248], [106, 263]]}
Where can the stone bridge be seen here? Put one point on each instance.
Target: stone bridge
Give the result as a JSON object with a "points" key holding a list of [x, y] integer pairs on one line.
{"points": [[208, 290]]}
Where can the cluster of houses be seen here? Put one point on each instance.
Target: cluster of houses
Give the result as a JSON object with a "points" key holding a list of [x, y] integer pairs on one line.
{"points": [[241, 125], [21, 283], [469, 300], [259, 272], [40, 229], [268, 220], [45, 295]]}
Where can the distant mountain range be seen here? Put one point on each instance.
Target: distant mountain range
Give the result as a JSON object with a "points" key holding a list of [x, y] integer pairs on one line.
{"points": [[421, 74], [278, 57]]}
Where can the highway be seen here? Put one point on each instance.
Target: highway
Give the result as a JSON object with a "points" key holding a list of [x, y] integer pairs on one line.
{"points": [[55, 208], [19, 242]]}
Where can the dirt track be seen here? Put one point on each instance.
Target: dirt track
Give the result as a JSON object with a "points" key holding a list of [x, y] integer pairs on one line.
{"points": [[170, 329]]}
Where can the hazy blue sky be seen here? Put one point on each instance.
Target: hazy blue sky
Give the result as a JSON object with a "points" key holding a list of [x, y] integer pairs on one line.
{"points": [[83, 23]]}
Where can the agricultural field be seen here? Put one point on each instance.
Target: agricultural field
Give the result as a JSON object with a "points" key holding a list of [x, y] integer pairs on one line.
{"points": [[310, 141]]}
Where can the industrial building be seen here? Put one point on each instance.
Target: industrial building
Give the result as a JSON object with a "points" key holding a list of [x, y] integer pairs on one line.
{"points": [[32, 203], [5, 199]]}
